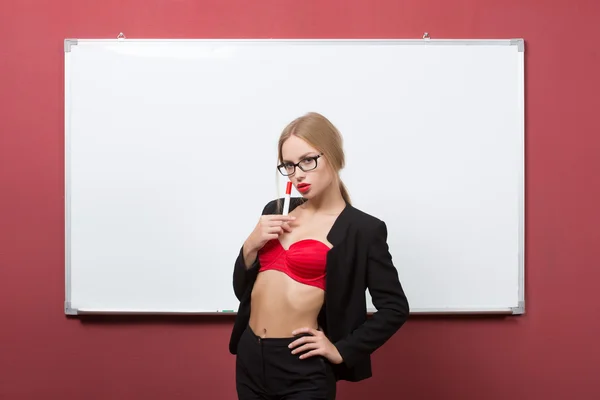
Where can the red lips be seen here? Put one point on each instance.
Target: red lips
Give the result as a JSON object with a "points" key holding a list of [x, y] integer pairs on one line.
{"points": [[303, 187]]}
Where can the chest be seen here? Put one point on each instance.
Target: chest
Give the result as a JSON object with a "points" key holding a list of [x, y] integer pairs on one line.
{"points": [[308, 227]]}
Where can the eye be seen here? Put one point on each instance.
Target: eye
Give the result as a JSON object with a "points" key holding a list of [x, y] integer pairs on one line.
{"points": [[307, 161]]}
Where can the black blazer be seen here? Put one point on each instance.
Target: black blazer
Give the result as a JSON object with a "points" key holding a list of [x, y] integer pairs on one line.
{"points": [[359, 259]]}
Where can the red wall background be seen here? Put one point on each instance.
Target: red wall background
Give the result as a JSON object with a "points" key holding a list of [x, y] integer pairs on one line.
{"points": [[553, 352]]}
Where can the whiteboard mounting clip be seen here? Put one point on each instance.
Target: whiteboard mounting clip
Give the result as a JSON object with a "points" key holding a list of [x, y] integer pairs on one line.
{"points": [[426, 36], [120, 36]]}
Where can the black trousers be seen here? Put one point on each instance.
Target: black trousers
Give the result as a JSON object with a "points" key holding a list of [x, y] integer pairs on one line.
{"points": [[266, 369]]}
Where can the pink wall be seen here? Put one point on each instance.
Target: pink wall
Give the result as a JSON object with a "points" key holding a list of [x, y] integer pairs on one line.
{"points": [[553, 352]]}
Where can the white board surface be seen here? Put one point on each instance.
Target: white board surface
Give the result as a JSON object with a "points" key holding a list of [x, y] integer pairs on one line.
{"points": [[170, 154]]}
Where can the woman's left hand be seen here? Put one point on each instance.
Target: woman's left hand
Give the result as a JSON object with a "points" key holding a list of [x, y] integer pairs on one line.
{"points": [[317, 343]]}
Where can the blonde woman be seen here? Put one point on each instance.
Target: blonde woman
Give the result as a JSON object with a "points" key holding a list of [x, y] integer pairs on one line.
{"points": [[302, 321]]}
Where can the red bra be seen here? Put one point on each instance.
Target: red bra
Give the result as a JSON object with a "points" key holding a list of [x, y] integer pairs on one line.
{"points": [[305, 261]]}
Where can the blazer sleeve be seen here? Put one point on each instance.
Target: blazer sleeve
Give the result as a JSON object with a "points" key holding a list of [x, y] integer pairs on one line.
{"points": [[243, 276], [388, 298]]}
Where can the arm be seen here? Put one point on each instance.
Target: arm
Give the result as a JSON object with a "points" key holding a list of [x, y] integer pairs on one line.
{"points": [[245, 267], [388, 298], [242, 274]]}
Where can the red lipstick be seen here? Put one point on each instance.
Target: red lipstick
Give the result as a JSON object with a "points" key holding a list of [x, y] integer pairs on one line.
{"points": [[303, 187]]}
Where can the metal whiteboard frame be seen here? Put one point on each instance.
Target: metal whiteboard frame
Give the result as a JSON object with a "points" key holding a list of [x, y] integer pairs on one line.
{"points": [[519, 43]]}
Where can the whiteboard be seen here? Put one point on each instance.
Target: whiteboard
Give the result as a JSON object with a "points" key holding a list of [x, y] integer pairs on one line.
{"points": [[170, 154]]}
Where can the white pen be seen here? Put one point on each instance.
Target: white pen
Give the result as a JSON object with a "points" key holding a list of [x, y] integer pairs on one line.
{"points": [[286, 199]]}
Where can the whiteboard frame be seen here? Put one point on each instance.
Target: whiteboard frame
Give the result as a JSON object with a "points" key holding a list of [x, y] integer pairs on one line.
{"points": [[518, 42]]}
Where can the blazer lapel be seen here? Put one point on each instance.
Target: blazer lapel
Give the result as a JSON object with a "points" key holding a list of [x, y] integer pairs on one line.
{"points": [[340, 227]]}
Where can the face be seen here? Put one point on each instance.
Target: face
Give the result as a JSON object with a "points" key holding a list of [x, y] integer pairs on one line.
{"points": [[309, 183]]}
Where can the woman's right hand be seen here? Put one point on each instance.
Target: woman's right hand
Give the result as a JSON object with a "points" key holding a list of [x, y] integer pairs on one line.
{"points": [[268, 227]]}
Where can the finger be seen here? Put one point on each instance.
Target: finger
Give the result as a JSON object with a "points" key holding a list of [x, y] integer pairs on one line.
{"points": [[286, 227], [305, 348], [302, 340], [279, 217], [278, 224], [312, 353], [272, 236], [305, 330], [275, 229]]}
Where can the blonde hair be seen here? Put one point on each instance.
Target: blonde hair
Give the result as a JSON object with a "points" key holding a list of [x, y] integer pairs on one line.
{"points": [[321, 134]]}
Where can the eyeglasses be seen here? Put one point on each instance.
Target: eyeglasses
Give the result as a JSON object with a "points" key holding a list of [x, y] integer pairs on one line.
{"points": [[306, 164]]}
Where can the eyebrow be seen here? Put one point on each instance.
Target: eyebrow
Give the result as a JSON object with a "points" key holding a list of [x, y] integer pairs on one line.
{"points": [[301, 157]]}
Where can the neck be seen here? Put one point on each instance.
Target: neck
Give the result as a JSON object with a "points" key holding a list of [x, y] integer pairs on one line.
{"points": [[330, 201]]}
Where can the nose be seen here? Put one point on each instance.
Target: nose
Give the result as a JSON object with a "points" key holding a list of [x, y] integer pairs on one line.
{"points": [[300, 175]]}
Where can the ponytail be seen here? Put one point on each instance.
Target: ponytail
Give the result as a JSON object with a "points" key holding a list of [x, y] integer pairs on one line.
{"points": [[345, 193]]}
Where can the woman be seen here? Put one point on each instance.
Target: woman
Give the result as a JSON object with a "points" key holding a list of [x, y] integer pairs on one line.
{"points": [[302, 323]]}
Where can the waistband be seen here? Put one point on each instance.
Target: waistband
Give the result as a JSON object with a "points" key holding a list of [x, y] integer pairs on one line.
{"points": [[283, 341]]}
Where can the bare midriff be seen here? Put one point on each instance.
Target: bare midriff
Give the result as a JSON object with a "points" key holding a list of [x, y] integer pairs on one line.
{"points": [[279, 305]]}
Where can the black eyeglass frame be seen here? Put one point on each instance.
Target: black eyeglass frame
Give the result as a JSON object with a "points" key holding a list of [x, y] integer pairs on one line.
{"points": [[297, 165]]}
